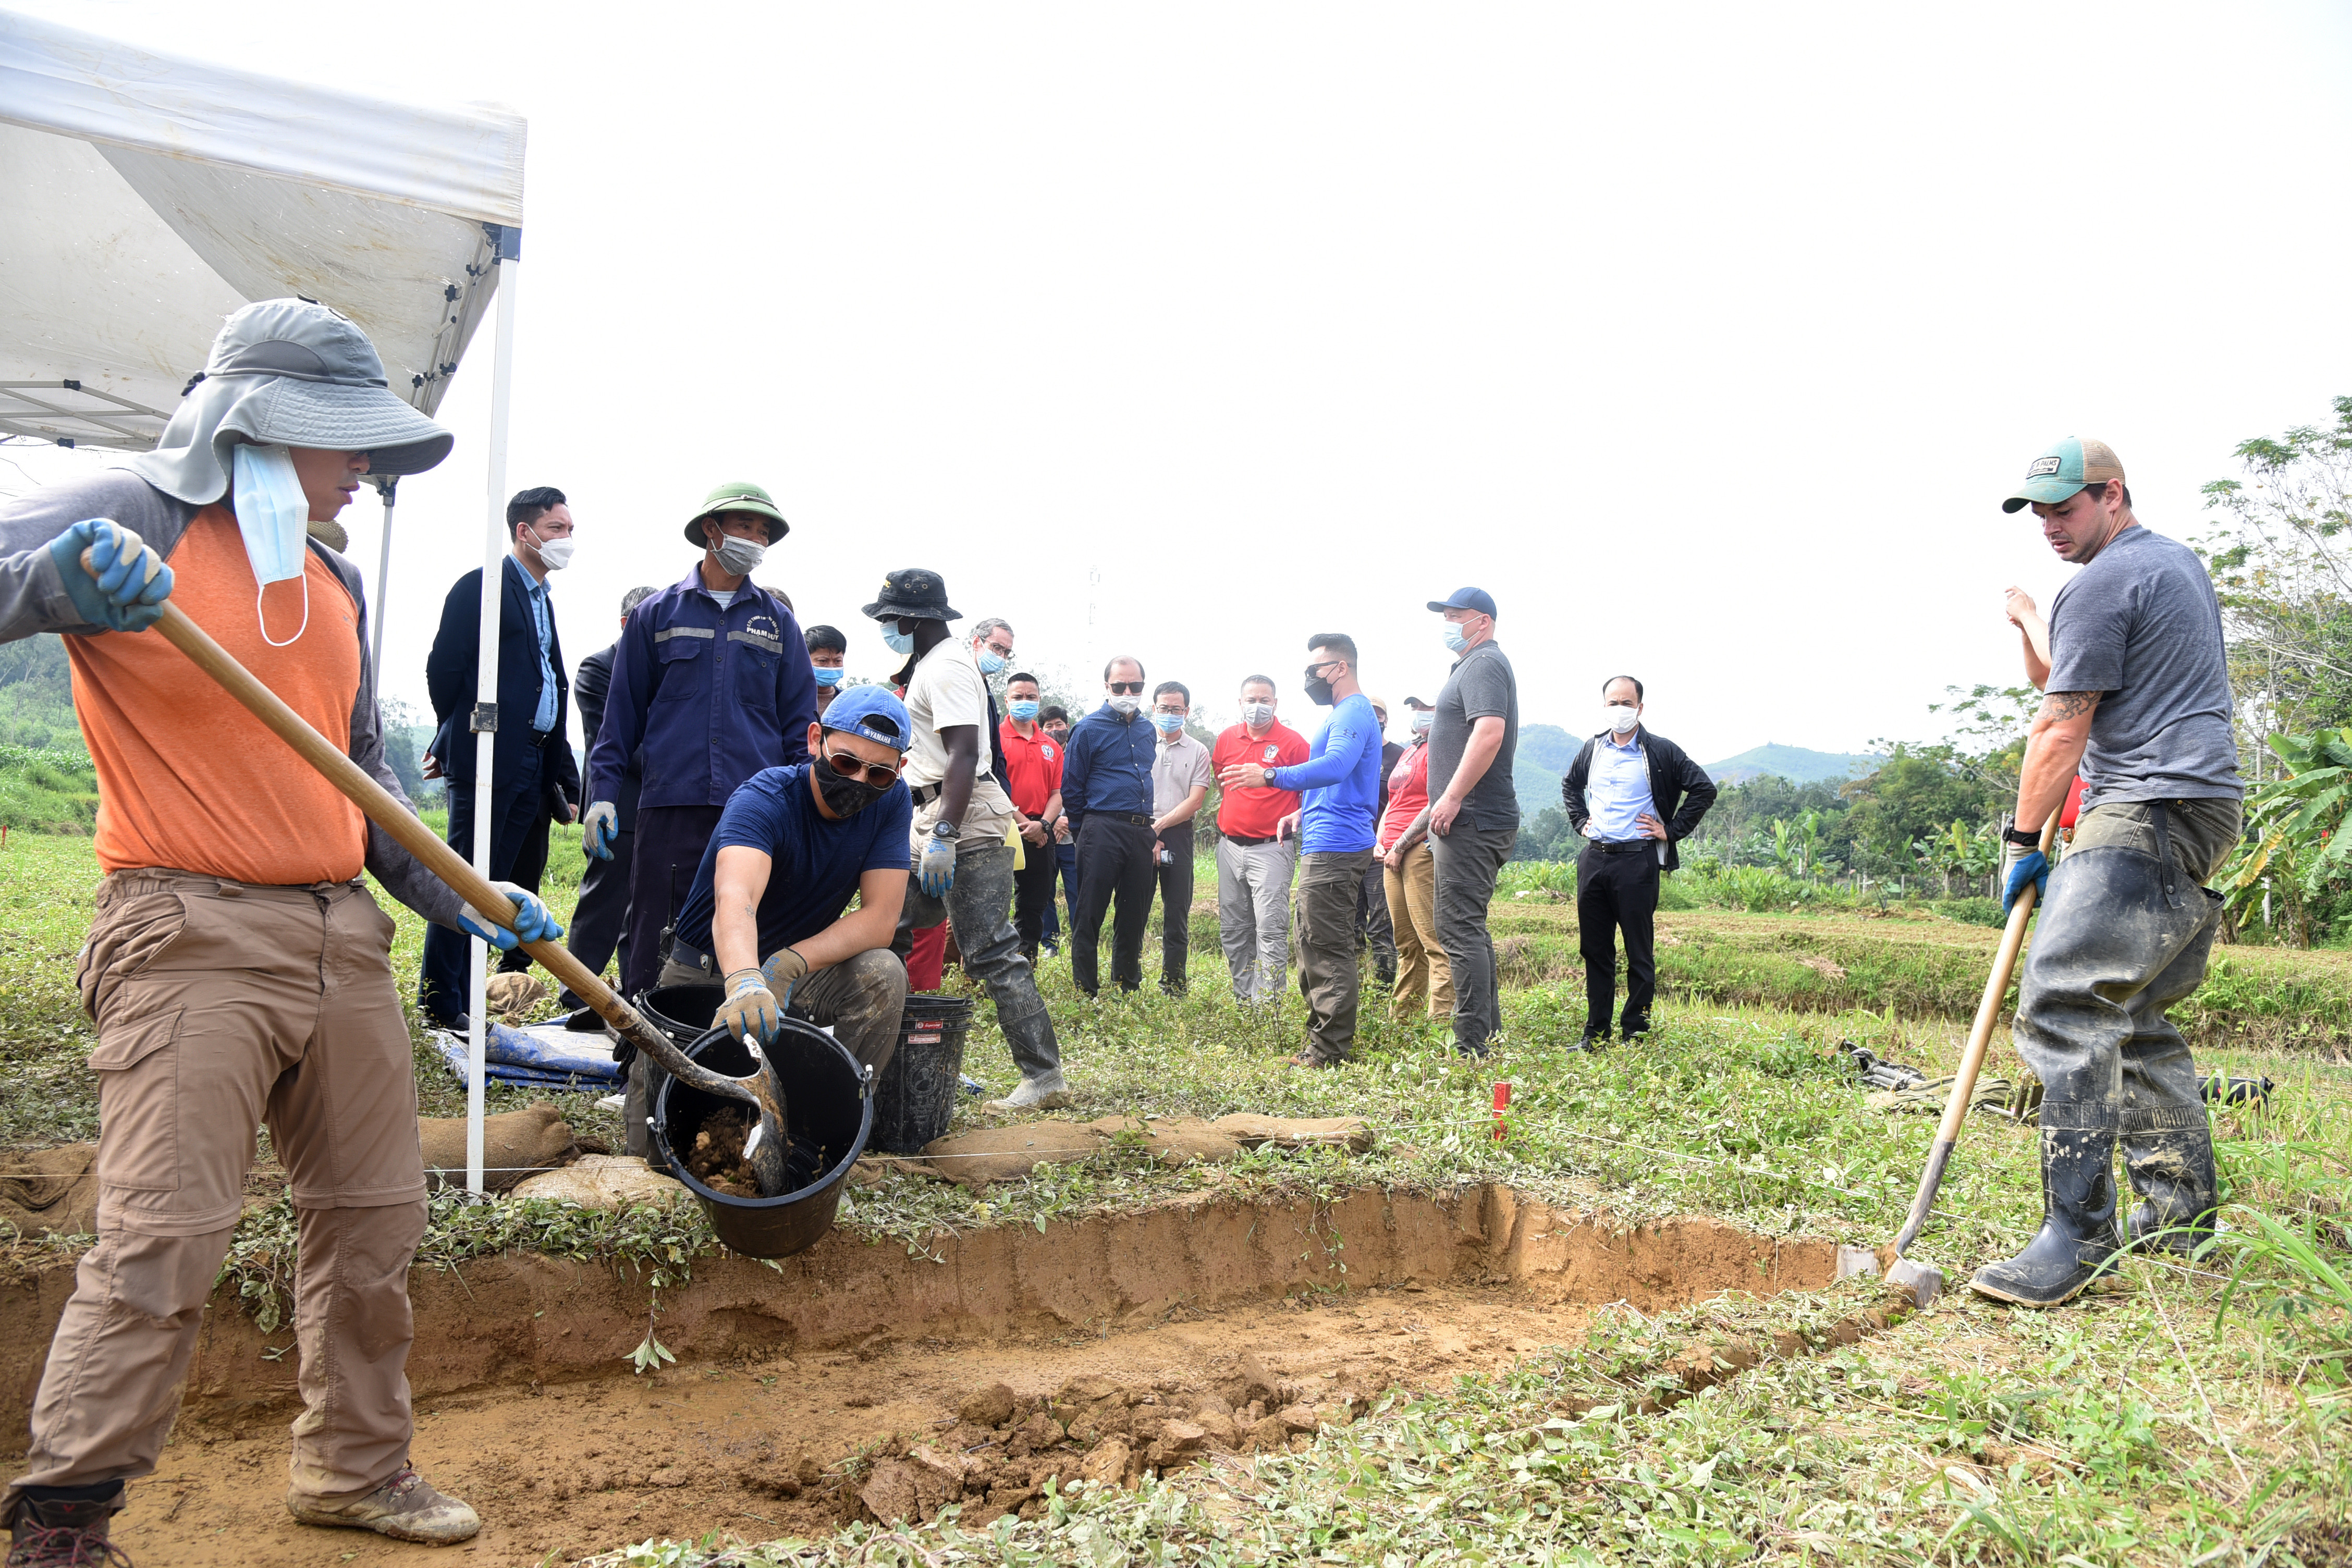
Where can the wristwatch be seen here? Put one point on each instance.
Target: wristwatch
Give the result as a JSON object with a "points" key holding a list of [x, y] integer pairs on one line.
{"points": [[2024, 838], [946, 830]]}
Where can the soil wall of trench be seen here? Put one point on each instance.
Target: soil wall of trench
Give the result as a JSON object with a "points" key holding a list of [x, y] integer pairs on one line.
{"points": [[526, 1321]]}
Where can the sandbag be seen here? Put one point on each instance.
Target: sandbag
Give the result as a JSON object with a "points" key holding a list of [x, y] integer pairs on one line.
{"points": [[1297, 1132], [1008, 1153], [610, 1181], [512, 995], [1170, 1140], [514, 1144], [51, 1190]]}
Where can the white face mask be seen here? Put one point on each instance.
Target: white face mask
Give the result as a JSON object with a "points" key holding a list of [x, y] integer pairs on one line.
{"points": [[1257, 715], [1619, 720], [1126, 705], [737, 557], [554, 555], [1421, 722], [273, 517]]}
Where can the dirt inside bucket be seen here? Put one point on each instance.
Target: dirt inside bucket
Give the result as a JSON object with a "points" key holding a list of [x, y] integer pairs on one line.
{"points": [[717, 1159], [861, 1383]]}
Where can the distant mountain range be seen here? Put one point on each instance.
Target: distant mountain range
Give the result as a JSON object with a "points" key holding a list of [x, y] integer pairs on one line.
{"points": [[1546, 750]]}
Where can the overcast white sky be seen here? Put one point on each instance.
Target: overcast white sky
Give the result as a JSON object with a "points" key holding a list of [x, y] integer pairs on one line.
{"points": [[1707, 338]]}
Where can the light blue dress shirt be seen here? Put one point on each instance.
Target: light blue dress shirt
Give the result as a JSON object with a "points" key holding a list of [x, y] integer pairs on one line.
{"points": [[1617, 788], [543, 623]]}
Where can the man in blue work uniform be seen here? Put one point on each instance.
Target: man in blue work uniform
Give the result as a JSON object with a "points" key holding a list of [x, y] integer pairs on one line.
{"points": [[1107, 800], [599, 919], [1340, 781], [531, 765], [710, 685]]}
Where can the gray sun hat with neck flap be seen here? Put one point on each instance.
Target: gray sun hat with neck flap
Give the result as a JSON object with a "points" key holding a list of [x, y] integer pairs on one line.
{"points": [[287, 373]]}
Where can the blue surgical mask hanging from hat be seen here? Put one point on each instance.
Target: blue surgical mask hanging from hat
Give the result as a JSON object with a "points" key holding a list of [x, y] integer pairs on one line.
{"points": [[273, 518]]}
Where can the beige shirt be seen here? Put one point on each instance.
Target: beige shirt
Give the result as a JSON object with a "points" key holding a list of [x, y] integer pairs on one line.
{"points": [[1178, 768], [947, 690]]}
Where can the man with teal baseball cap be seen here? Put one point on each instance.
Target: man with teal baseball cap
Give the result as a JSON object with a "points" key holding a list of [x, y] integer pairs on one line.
{"points": [[2065, 470], [2139, 701]]}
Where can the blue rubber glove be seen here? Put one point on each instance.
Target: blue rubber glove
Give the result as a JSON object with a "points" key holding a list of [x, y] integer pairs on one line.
{"points": [[128, 593], [532, 920], [599, 828], [2032, 866], [936, 866]]}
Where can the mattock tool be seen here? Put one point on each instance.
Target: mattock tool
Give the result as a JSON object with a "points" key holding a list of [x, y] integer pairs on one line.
{"points": [[766, 1147], [1924, 1281]]}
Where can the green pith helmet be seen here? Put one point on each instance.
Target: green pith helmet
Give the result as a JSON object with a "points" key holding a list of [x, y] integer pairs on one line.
{"points": [[736, 498]]}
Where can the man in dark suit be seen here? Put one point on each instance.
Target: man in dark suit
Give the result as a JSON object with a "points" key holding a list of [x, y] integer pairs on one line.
{"points": [[533, 776], [599, 920]]}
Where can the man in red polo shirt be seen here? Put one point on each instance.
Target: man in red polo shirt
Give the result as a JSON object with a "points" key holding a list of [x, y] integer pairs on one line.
{"points": [[1033, 772], [1257, 847]]}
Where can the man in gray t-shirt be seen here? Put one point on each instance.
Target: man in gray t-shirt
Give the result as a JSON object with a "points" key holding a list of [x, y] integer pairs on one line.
{"points": [[2138, 699], [1473, 813]]}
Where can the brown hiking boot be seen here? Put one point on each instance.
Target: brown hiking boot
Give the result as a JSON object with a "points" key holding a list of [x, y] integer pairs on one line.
{"points": [[405, 1507], [64, 1535]]}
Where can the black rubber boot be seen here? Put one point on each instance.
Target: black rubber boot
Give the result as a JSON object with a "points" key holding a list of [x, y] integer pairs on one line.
{"points": [[2078, 1223], [2172, 1171], [57, 1531]]}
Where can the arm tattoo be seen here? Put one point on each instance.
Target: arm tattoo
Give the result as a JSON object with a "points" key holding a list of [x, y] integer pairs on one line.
{"points": [[2061, 706]]}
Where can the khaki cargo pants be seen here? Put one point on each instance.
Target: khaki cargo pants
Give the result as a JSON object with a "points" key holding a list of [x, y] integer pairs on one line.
{"points": [[221, 1008]]}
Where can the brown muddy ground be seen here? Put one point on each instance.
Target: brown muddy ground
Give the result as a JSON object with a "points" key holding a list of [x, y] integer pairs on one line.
{"points": [[834, 1382], [582, 1468]]}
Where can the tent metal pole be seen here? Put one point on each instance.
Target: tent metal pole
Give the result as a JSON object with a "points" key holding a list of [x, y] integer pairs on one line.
{"points": [[387, 490], [485, 688]]}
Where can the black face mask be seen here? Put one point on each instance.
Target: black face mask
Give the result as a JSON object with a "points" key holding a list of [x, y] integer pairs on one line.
{"points": [[1318, 690], [842, 797]]}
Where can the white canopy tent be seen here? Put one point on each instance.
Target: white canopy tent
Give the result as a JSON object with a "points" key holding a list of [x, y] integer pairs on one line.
{"points": [[153, 195]]}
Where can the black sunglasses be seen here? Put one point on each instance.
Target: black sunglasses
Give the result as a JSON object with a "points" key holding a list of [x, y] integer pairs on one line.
{"points": [[850, 765], [1126, 687]]}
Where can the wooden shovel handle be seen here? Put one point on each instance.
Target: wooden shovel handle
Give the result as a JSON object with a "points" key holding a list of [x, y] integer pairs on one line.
{"points": [[1964, 1083], [396, 819]]}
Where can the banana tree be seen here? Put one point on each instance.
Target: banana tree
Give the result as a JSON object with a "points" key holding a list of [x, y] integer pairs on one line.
{"points": [[2295, 852]]}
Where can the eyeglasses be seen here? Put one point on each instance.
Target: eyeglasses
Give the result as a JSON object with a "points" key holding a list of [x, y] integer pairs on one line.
{"points": [[1315, 671], [1125, 688], [850, 765], [1001, 650]]}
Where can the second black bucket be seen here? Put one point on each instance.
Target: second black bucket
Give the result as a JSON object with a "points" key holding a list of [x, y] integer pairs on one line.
{"points": [[918, 1090], [829, 1108], [681, 1012]]}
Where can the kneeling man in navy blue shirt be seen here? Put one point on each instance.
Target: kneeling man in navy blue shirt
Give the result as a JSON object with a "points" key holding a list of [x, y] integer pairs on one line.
{"points": [[765, 913]]}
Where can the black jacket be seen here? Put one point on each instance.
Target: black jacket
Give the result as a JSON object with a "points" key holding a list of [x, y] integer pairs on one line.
{"points": [[1679, 789], [590, 686], [451, 672]]}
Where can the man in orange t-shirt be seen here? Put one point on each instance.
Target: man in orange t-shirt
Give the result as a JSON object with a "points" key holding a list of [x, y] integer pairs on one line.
{"points": [[1257, 847], [237, 969]]}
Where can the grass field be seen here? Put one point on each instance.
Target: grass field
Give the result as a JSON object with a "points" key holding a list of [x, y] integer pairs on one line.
{"points": [[2175, 1420]]}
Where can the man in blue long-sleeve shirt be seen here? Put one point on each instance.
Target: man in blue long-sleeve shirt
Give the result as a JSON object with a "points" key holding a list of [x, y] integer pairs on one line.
{"points": [[710, 685], [1107, 799], [1341, 779]]}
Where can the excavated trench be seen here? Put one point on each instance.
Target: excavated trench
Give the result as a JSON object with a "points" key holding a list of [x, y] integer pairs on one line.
{"points": [[861, 1381]]}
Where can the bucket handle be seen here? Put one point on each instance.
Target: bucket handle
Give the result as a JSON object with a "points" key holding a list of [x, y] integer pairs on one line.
{"points": [[865, 1081]]}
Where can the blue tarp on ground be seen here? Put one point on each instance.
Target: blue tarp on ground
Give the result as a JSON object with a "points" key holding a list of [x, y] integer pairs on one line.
{"points": [[548, 1055]]}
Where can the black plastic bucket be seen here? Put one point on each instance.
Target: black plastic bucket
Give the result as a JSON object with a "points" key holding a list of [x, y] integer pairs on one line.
{"points": [[681, 1012], [829, 1106], [918, 1090]]}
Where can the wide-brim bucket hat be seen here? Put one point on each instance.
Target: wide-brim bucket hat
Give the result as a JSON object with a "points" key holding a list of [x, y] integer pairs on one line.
{"points": [[743, 497], [913, 591], [287, 373]]}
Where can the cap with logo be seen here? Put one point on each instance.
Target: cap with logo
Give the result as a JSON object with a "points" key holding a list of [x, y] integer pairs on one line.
{"points": [[914, 592], [740, 497], [2064, 469], [1477, 599], [870, 713]]}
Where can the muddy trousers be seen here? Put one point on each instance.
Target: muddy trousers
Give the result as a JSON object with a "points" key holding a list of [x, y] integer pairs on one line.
{"points": [[2125, 936], [1329, 887], [980, 905], [220, 1007]]}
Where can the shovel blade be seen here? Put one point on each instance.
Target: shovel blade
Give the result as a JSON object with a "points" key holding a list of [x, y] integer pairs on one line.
{"points": [[1922, 1282]]}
